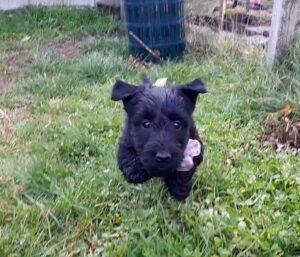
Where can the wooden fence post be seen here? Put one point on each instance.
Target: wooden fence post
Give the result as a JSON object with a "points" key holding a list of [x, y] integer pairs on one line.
{"points": [[122, 10], [223, 4], [284, 18]]}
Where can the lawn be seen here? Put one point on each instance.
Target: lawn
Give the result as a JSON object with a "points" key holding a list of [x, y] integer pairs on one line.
{"points": [[61, 191]]}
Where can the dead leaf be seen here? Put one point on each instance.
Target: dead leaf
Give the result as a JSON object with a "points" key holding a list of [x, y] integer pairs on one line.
{"points": [[70, 249], [93, 248], [287, 110], [138, 64], [162, 82], [118, 219], [245, 148], [26, 38], [230, 162], [283, 134]]}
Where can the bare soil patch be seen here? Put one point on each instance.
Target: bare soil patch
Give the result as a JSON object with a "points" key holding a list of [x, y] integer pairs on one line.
{"points": [[10, 68], [15, 62], [10, 119], [5, 83], [66, 50]]}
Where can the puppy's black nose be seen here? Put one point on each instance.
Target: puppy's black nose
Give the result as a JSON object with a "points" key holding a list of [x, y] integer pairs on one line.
{"points": [[163, 156]]}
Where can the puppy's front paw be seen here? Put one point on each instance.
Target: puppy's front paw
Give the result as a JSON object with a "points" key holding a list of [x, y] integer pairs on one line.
{"points": [[180, 191], [180, 184], [136, 176], [134, 171]]}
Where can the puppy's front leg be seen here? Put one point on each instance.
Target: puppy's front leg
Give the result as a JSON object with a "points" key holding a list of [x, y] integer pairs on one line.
{"points": [[131, 166], [180, 184]]}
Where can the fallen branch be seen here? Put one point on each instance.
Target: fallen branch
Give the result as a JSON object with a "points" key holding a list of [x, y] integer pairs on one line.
{"points": [[155, 53]]}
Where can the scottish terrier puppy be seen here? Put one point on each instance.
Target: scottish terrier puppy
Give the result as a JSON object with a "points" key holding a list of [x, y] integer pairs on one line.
{"points": [[158, 127]]}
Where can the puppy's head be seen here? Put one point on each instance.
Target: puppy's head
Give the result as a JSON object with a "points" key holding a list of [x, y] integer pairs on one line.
{"points": [[159, 120]]}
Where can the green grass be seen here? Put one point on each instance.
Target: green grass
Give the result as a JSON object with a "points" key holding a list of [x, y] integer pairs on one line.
{"points": [[61, 191], [42, 22]]}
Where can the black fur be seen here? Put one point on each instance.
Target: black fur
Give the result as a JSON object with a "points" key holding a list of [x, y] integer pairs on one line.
{"points": [[158, 126]]}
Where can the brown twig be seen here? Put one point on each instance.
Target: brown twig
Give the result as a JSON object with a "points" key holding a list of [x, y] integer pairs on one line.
{"points": [[155, 54]]}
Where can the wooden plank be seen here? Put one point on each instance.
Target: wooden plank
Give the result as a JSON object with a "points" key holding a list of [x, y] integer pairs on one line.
{"points": [[15, 4], [284, 18], [223, 4], [46, 2], [109, 3], [12, 4], [79, 2]]}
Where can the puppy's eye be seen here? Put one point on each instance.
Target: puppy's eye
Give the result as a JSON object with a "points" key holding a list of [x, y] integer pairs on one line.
{"points": [[177, 124], [146, 124]]}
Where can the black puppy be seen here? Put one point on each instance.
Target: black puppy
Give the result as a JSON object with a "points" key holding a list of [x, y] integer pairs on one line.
{"points": [[158, 126]]}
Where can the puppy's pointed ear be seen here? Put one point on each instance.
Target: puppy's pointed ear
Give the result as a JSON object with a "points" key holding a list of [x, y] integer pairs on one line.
{"points": [[123, 91], [192, 90]]}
